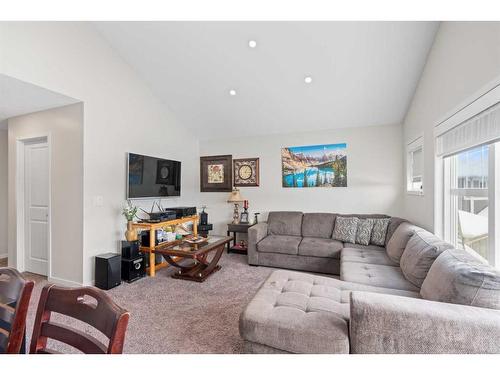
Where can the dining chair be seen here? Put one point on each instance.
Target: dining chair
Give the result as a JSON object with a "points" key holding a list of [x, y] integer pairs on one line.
{"points": [[88, 305], [15, 294]]}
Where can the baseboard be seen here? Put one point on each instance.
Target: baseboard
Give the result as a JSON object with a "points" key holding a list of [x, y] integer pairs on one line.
{"points": [[64, 282]]}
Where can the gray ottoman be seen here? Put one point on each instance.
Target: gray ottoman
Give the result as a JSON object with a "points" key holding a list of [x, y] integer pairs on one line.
{"points": [[296, 312]]}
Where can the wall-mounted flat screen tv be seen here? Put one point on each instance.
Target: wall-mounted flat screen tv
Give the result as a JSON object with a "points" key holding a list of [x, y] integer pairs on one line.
{"points": [[150, 177]]}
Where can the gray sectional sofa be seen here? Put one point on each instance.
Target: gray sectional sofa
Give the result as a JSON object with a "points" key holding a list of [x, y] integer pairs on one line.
{"points": [[415, 294]]}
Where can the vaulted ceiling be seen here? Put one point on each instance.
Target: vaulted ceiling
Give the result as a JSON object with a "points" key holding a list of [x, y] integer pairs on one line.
{"points": [[363, 73], [19, 98]]}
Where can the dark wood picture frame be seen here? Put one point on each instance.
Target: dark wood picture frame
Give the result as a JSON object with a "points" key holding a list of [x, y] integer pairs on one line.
{"points": [[227, 184], [255, 169]]}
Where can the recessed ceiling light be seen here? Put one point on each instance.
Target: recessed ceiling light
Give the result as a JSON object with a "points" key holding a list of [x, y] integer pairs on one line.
{"points": [[252, 44], [232, 92], [308, 79]]}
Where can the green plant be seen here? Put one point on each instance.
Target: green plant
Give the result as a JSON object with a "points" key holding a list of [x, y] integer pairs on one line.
{"points": [[129, 211]]}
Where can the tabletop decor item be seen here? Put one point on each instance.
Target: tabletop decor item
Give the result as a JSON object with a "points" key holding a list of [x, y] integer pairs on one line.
{"points": [[244, 214], [130, 211], [255, 218], [236, 198], [246, 172], [314, 166], [216, 173]]}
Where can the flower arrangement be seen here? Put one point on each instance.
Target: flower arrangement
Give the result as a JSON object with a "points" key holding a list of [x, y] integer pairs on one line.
{"points": [[129, 211]]}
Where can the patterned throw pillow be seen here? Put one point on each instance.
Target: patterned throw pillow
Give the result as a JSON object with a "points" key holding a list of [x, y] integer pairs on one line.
{"points": [[364, 233], [345, 229], [379, 231]]}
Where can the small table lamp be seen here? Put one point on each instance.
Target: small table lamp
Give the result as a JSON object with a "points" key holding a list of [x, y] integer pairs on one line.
{"points": [[235, 198]]}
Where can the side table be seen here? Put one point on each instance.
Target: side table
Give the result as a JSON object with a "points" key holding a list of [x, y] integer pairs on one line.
{"points": [[234, 229]]}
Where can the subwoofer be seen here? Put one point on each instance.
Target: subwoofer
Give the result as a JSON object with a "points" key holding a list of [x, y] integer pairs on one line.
{"points": [[133, 269], [107, 270]]}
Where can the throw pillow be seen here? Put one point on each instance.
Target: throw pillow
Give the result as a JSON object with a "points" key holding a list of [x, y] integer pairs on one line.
{"points": [[379, 231], [364, 232], [457, 277], [345, 229]]}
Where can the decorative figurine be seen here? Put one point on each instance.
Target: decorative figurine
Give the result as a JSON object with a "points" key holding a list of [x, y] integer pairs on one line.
{"points": [[255, 219]]}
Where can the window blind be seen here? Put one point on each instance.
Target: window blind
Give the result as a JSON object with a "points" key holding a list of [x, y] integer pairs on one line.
{"points": [[417, 162], [480, 129]]}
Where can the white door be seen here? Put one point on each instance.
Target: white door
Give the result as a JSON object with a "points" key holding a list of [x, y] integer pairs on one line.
{"points": [[36, 189]]}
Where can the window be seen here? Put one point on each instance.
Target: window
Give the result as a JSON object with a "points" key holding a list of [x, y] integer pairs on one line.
{"points": [[468, 178], [466, 199], [415, 167]]}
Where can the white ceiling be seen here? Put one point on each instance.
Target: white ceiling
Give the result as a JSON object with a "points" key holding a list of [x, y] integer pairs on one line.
{"points": [[364, 73], [19, 98]]}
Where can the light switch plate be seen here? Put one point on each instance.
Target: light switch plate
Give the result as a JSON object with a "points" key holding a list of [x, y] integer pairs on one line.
{"points": [[98, 201]]}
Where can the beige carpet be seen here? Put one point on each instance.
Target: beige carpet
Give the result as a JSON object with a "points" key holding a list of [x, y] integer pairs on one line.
{"points": [[178, 316]]}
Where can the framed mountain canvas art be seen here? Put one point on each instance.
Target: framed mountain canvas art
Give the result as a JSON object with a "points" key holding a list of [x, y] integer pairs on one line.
{"points": [[314, 166]]}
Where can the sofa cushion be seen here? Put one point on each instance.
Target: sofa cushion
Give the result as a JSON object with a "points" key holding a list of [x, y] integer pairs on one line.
{"points": [[345, 229], [318, 225], [288, 223], [302, 313], [280, 244], [375, 275], [364, 231], [364, 247], [396, 245], [457, 277], [379, 231], [393, 225], [420, 252], [320, 247], [365, 256]]}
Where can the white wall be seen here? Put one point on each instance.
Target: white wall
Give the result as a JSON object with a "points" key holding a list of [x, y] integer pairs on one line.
{"points": [[64, 127], [120, 115], [3, 193], [465, 56], [374, 174]]}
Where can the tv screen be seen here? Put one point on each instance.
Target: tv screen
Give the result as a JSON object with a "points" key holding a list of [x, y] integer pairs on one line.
{"points": [[150, 177]]}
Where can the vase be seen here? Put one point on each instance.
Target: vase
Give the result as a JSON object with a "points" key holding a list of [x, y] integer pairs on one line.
{"points": [[130, 233]]}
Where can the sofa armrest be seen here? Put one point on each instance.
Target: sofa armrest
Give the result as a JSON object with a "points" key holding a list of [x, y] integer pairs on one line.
{"points": [[382, 323], [255, 234]]}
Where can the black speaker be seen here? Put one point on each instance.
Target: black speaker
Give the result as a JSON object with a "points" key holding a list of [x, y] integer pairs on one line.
{"points": [[133, 269], [107, 270], [130, 250]]}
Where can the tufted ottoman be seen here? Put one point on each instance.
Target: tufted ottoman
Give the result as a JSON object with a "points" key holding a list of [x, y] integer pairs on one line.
{"points": [[295, 312]]}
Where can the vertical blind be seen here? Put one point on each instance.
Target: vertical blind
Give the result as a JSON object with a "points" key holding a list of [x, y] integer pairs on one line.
{"points": [[480, 129], [417, 162]]}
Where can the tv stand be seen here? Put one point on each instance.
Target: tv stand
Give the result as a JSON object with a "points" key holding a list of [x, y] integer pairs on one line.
{"points": [[152, 227]]}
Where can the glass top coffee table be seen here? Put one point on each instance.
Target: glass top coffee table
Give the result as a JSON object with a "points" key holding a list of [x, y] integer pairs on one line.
{"points": [[201, 266]]}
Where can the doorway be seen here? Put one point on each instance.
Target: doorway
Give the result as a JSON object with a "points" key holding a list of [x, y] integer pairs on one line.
{"points": [[33, 205]]}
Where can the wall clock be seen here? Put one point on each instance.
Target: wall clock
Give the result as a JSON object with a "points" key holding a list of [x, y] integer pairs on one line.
{"points": [[246, 172]]}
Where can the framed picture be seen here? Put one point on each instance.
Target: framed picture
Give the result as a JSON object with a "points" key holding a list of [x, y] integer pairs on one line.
{"points": [[244, 218], [216, 173], [246, 172], [314, 166], [164, 172]]}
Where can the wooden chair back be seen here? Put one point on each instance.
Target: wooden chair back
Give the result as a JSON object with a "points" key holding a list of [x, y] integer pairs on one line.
{"points": [[101, 313], [15, 294]]}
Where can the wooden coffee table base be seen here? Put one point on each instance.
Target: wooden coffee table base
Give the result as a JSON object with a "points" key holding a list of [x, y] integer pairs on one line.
{"points": [[195, 274], [200, 269]]}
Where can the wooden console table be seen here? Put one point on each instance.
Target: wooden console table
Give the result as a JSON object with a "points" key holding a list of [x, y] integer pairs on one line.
{"points": [[152, 227]]}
